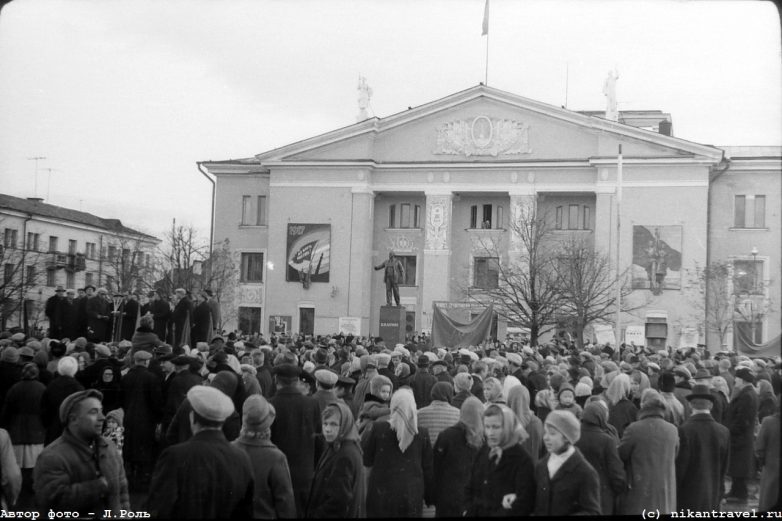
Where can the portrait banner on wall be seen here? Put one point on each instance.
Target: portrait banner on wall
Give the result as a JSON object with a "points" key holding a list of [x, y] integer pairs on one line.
{"points": [[308, 253], [280, 324], [350, 325], [657, 258]]}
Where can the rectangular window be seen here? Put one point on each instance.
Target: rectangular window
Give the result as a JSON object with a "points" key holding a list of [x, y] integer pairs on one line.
{"points": [[31, 274], [587, 219], [8, 272], [486, 272], [88, 279], [417, 216], [247, 210], [572, 220], [404, 215], [51, 278], [409, 263], [112, 253], [252, 267], [9, 238], [486, 223], [53, 243], [740, 211], [32, 241], [261, 215], [249, 320], [89, 250], [392, 216], [474, 216], [747, 276], [70, 280], [71, 247], [760, 211], [558, 225]]}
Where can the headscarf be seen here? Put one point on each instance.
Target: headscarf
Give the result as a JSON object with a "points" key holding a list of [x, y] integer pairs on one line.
{"points": [[652, 404], [545, 398], [377, 383], [618, 389], [496, 387], [462, 382], [471, 416], [347, 425], [595, 414], [512, 431], [509, 383], [518, 401], [765, 390], [404, 418], [720, 384], [442, 391]]}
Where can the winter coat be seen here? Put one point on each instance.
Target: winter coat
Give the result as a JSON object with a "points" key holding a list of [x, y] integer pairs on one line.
{"points": [[142, 401], [179, 430], [372, 410], [436, 417], [534, 443], [145, 339], [453, 462], [399, 483], [648, 449], [21, 414], [10, 373], [273, 492], [458, 398], [701, 463], [421, 383], [57, 391], [600, 450], [574, 488], [98, 317], [490, 481], [176, 392], [338, 485], [767, 451], [64, 477], [293, 431], [203, 478], [621, 415], [202, 323], [10, 474], [742, 417]]}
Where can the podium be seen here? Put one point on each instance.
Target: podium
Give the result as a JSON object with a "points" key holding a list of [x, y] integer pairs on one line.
{"points": [[392, 324]]}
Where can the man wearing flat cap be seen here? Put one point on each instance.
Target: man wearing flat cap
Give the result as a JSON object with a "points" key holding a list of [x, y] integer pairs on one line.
{"points": [[143, 404], [422, 382], [204, 477], [703, 455], [294, 430], [325, 382], [81, 470], [742, 416], [183, 380]]}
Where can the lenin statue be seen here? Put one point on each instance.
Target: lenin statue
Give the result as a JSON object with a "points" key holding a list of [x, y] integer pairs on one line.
{"points": [[393, 275]]}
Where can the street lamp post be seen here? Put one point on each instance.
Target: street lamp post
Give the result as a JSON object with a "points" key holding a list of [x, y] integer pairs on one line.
{"points": [[754, 253]]}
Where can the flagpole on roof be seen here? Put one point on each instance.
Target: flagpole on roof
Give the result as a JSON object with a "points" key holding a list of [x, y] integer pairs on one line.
{"points": [[618, 250], [485, 32]]}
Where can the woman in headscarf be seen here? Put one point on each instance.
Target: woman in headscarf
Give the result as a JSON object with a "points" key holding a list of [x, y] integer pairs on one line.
{"points": [[621, 411], [545, 402], [600, 450], [250, 380], [720, 385], [375, 406], [492, 391], [639, 382], [110, 387], [398, 455], [518, 401], [767, 402], [273, 491], [21, 416], [502, 482], [402, 373], [338, 485], [454, 454]]}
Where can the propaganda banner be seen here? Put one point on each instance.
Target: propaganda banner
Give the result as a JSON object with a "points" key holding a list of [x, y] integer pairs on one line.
{"points": [[657, 258], [308, 253]]}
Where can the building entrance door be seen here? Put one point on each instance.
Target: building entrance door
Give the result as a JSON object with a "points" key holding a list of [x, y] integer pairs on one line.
{"points": [[307, 321]]}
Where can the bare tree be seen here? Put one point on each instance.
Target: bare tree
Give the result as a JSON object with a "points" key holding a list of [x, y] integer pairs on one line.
{"points": [[587, 286], [220, 275], [526, 292], [128, 265], [179, 252], [22, 269], [708, 293]]}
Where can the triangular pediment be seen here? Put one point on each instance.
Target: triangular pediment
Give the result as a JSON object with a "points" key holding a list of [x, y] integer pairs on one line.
{"points": [[483, 124]]}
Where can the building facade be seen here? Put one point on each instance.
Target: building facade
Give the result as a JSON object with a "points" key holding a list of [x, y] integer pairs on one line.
{"points": [[440, 185], [45, 246]]}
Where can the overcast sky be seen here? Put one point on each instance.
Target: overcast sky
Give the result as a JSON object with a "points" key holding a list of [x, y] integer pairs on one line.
{"points": [[123, 97]]}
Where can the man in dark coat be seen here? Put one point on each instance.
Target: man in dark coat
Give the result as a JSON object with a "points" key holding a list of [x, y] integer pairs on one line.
{"points": [[68, 316], [479, 372], [130, 313], [204, 477], [742, 416], [52, 311], [202, 321], [62, 386], [703, 455], [422, 382], [294, 430], [161, 313], [181, 315], [81, 310], [98, 316], [181, 382], [142, 402]]}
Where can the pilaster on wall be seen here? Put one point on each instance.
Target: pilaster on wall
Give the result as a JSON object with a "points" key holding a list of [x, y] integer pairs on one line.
{"points": [[360, 282], [437, 250], [522, 208], [605, 222]]}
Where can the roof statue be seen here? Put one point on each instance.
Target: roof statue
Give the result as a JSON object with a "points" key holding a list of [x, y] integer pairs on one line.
{"points": [[609, 89], [364, 93]]}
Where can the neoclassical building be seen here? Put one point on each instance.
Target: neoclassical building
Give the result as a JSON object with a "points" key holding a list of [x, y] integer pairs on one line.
{"points": [[439, 182]]}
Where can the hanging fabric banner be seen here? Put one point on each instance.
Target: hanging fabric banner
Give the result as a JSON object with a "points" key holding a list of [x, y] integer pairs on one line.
{"points": [[447, 332]]}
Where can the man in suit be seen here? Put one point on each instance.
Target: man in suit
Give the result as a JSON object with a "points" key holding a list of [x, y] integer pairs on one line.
{"points": [[393, 275], [702, 461], [183, 311], [98, 316], [294, 430], [742, 417]]}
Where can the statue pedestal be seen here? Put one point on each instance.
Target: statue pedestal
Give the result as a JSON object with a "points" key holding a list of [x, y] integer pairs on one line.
{"points": [[392, 324]]}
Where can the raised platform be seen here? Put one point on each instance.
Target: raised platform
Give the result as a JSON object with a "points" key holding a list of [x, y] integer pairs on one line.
{"points": [[392, 325]]}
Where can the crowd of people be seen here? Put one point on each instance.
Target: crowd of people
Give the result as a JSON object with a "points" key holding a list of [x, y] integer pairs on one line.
{"points": [[343, 426]]}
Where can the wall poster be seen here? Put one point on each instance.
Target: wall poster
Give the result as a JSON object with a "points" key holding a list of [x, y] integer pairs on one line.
{"points": [[657, 258], [308, 253]]}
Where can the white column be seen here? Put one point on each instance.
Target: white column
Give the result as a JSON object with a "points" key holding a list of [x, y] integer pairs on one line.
{"points": [[361, 230], [437, 251], [522, 208]]}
